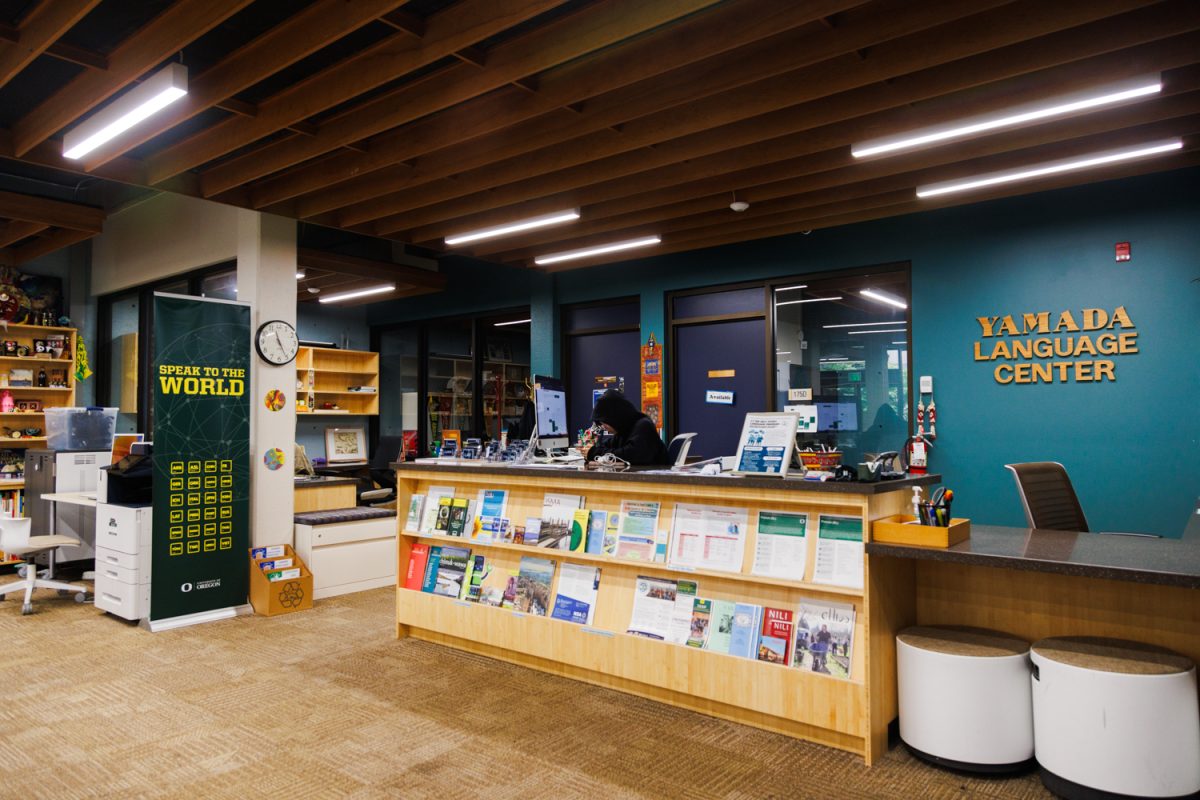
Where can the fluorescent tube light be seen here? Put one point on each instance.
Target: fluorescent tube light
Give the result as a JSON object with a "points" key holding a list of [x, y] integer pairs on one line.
{"points": [[337, 298], [899, 342], [1050, 168], [783, 352], [886, 330], [511, 322], [514, 227], [1062, 105], [880, 297], [836, 358], [810, 300], [147, 98], [867, 324], [791, 288], [300, 275], [571, 255]]}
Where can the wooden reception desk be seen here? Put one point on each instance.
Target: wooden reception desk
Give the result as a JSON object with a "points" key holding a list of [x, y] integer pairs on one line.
{"points": [[324, 494], [849, 714]]}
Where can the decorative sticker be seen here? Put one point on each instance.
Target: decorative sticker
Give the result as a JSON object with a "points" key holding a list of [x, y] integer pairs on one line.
{"points": [[273, 458], [275, 400]]}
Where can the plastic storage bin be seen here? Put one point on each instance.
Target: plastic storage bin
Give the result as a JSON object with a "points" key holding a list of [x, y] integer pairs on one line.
{"points": [[89, 428]]}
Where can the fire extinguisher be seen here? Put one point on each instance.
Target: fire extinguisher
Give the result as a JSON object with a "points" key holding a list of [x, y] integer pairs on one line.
{"points": [[914, 458]]}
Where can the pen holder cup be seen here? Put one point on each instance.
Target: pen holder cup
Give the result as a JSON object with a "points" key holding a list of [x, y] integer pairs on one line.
{"points": [[822, 461], [902, 529]]}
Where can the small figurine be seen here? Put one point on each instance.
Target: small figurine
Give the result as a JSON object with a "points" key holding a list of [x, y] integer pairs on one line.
{"points": [[7, 404]]}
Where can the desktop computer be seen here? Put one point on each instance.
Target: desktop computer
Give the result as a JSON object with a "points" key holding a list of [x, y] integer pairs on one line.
{"points": [[550, 410]]}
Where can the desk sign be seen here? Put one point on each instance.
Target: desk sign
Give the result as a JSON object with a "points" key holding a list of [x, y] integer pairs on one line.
{"points": [[766, 444], [719, 397], [799, 395]]}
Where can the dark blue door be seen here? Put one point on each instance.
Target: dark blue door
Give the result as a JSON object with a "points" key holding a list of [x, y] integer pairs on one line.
{"points": [[715, 347], [600, 354]]}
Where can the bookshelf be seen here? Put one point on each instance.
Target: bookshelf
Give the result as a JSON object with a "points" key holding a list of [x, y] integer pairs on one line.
{"points": [[850, 714], [325, 376], [61, 368]]}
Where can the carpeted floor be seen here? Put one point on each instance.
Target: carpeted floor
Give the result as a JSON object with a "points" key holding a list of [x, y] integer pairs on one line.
{"points": [[326, 704]]}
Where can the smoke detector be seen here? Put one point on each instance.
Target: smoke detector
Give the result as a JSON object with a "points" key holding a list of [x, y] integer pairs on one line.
{"points": [[739, 205]]}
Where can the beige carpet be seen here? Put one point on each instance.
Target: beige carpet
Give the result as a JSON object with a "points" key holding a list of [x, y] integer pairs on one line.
{"points": [[326, 704]]}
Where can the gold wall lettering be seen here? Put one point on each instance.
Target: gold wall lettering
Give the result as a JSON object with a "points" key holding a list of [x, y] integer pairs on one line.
{"points": [[1056, 347]]}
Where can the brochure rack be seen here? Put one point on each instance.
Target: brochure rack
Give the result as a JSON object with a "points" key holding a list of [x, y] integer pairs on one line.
{"points": [[849, 714]]}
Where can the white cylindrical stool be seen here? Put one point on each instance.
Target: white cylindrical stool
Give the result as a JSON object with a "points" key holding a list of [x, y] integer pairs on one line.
{"points": [[1113, 717], [964, 697]]}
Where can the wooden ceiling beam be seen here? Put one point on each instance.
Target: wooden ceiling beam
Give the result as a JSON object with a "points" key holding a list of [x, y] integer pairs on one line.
{"points": [[572, 36], [160, 39], [80, 56], [295, 38], [28, 208], [691, 40], [1000, 64], [15, 231], [461, 25], [38, 31], [378, 270], [56, 240]]}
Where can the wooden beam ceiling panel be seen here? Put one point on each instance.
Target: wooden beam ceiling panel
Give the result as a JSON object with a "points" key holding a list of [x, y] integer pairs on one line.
{"points": [[28, 208], [990, 31], [15, 231], [160, 39], [378, 270], [592, 28], [693, 39], [56, 240], [38, 31], [462, 24], [293, 39], [689, 155], [61, 51]]}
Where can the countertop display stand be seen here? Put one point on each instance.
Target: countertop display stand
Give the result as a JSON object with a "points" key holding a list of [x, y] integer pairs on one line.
{"points": [[849, 714]]}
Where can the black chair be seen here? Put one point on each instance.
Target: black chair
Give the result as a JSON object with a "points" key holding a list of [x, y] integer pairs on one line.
{"points": [[1048, 497], [677, 450], [380, 474]]}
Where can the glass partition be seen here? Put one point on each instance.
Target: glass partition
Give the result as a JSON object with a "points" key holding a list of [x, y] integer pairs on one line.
{"points": [[450, 366]]}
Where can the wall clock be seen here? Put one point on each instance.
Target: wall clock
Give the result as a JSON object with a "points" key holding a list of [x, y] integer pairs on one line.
{"points": [[277, 342]]}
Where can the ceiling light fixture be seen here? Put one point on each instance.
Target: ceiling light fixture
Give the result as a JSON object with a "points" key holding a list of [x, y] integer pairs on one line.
{"points": [[300, 275], [1050, 168], [1062, 105], [885, 330], [867, 324], [880, 297], [542, 221], [783, 352], [899, 342], [142, 101], [571, 255], [810, 300], [337, 298], [511, 322], [791, 288]]}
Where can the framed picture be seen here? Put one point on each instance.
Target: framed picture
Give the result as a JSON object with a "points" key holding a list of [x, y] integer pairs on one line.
{"points": [[29, 406], [344, 445]]}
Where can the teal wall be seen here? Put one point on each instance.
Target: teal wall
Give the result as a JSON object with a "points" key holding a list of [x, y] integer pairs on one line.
{"points": [[1132, 447]]}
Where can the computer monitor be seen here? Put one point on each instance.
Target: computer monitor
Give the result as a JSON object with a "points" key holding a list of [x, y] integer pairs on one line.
{"points": [[837, 417], [550, 408]]}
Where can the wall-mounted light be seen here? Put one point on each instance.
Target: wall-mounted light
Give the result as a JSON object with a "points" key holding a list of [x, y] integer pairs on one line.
{"points": [[337, 298], [570, 255], [532, 223], [142, 101]]}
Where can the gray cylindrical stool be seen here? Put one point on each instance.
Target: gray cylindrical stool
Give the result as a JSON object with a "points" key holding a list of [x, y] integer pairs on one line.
{"points": [[964, 697], [1115, 718]]}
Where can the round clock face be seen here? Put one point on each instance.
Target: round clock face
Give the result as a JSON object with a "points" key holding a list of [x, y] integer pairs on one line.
{"points": [[277, 342]]}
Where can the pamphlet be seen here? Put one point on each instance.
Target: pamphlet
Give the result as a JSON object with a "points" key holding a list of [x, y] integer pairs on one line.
{"points": [[459, 511], [681, 614], [708, 537], [451, 571], [533, 585], [283, 574], [578, 586], [839, 551], [653, 607], [580, 522], [747, 623], [595, 534], [765, 447], [274, 551], [612, 533], [775, 643], [558, 510], [720, 626], [781, 546], [492, 502], [825, 638], [701, 616], [498, 587], [441, 522], [476, 571], [429, 514], [637, 535], [416, 505]]}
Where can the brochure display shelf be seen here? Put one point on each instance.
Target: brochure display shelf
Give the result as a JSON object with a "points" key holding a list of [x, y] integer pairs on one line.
{"points": [[849, 714], [326, 375]]}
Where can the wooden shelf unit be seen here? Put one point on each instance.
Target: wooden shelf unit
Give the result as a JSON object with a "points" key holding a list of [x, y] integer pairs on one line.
{"points": [[324, 375], [851, 714]]}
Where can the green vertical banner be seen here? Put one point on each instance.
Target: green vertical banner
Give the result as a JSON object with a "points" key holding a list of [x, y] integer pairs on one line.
{"points": [[201, 532]]}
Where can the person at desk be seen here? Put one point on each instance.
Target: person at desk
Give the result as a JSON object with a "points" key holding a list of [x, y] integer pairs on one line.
{"points": [[632, 435]]}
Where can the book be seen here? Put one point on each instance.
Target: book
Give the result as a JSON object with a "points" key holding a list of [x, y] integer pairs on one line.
{"points": [[451, 571], [747, 623], [638, 531], [595, 533], [558, 511], [578, 586], [431, 569], [442, 525], [416, 505], [580, 522], [720, 626], [492, 502], [459, 510], [533, 585], [701, 616], [498, 587], [775, 638], [473, 580], [417, 559], [533, 532], [824, 640], [429, 513]]}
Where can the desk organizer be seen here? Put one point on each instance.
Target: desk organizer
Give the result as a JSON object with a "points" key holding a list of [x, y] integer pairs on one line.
{"points": [[899, 530], [270, 598]]}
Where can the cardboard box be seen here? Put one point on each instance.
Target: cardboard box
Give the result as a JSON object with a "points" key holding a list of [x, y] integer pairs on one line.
{"points": [[270, 598], [896, 530]]}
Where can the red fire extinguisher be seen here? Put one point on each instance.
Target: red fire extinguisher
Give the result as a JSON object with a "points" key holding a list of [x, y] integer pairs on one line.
{"points": [[914, 458]]}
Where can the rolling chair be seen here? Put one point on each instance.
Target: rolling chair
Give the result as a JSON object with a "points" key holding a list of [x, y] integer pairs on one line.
{"points": [[387, 451], [16, 541], [1049, 498], [677, 450]]}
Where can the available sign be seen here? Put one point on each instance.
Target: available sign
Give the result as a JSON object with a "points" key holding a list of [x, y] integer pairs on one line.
{"points": [[1040, 355], [201, 455], [719, 396]]}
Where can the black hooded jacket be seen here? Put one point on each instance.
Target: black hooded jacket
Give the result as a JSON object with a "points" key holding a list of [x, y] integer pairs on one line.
{"points": [[636, 439]]}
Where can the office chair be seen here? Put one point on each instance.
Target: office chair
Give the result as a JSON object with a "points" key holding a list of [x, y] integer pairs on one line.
{"points": [[677, 450], [16, 541], [387, 451], [1048, 497]]}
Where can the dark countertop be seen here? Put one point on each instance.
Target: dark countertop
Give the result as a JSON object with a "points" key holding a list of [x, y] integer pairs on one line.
{"points": [[321, 480], [1173, 562], [651, 475]]}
